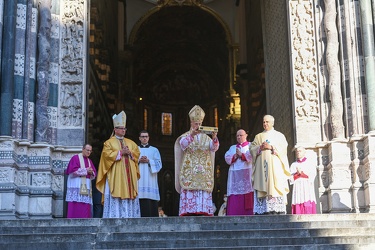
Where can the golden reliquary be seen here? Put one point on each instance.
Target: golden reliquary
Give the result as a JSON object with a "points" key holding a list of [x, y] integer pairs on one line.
{"points": [[208, 130]]}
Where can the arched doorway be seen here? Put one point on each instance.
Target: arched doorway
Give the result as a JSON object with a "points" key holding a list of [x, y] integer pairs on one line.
{"points": [[182, 57]]}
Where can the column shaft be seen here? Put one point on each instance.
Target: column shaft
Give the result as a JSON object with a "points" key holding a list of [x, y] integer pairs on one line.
{"points": [[7, 67], [368, 48]]}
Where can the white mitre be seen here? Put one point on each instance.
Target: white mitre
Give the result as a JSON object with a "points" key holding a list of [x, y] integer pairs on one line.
{"points": [[119, 120]]}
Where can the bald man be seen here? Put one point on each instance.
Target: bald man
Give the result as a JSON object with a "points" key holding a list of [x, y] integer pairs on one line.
{"points": [[239, 188]]}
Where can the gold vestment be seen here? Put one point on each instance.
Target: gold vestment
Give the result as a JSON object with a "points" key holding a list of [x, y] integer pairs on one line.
{"points": [[122, 175]]}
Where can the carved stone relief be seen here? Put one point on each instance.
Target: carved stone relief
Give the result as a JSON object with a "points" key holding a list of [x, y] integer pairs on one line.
{"points": [[304, 61], [21, 178], [367, 169], [42, 151], [326, 177], [71, 104], [5, 175], [57, 184], [72, 63], [72, 46], [41, 179]]}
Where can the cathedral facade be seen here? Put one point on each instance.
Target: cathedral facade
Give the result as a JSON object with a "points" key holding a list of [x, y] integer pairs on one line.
{"points": [[68, 65]]}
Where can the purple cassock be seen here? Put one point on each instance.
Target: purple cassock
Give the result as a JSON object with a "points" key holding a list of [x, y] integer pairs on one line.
{"points": [[240, 190], [79, 202]]}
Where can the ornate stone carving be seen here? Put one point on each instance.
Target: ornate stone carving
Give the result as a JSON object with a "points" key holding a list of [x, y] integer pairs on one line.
{"points": [[326, 177], [58, 182], [72, 47], [366, 171], [304, 61], [41, 179], [39, 151], [21, 178], [5, 175], [72, 63], [71, 104]]}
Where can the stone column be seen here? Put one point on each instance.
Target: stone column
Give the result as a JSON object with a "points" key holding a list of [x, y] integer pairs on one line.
{"points": [[32, 85], [19, 69], [356, 166], [333, 70], [28, 75], [323, 179], [367, 174], [1, 27], [7, 67], [44, 51], [369, 54], [350, 68], [54, 76]]}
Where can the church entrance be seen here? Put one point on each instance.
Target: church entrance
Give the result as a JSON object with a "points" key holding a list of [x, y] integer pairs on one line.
{"points": [[181, 59], [175, 57]]}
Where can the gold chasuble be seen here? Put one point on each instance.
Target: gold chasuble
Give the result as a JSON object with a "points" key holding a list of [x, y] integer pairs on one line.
{"points": [[122, 174], [270, 171], [195, 165]]}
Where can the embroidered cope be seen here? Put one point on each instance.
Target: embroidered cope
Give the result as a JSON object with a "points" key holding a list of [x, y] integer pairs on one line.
{"points": [[196, 163]]}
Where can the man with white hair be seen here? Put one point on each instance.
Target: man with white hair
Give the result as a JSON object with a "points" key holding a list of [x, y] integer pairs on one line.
{"points": [[270, 169]]}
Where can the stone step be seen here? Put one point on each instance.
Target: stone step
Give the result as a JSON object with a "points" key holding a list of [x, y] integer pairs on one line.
{"points": [[85, 245], [57, 235], [199, 223], [197, 220], [198, 239], [170, 227], [277, 243], [225, 243], [338, 231]]}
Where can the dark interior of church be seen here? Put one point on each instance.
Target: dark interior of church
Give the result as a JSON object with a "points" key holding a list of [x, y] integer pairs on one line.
{"points": [[174, 57]]}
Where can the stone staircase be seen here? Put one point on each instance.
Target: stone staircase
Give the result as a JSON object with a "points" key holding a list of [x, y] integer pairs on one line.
{"points": [[323, 231]]}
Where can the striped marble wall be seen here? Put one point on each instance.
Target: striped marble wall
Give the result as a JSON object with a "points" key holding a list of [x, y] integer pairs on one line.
{"points": [[32, 171]]}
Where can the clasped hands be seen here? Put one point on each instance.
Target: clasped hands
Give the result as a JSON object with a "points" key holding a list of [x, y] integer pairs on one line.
{"points": [[144, 159], [238, 153], [90, 171], [299, 171], [125, 151], [265, 146]]}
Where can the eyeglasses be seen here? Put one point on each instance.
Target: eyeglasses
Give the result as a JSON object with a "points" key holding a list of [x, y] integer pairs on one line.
{"points": [[88, 150], [143, 136], [121, 128]]}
